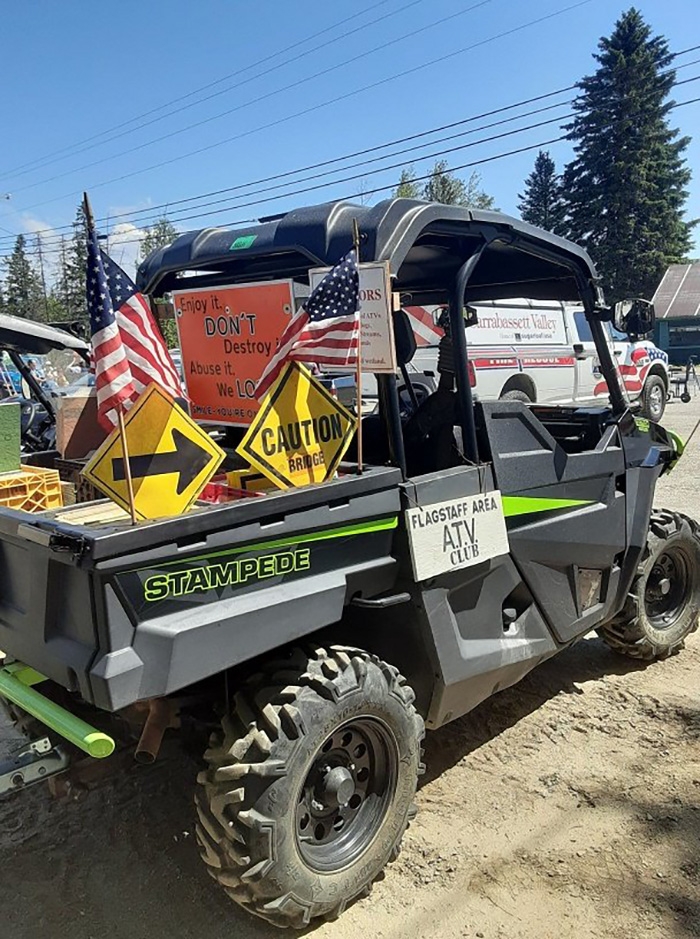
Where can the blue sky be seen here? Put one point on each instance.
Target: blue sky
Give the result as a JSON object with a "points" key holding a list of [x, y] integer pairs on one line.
{"points": [[72, 71]]}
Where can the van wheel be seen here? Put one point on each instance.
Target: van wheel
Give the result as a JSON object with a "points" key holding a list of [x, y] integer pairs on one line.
{"points": [[663, 604], [654, 398], [516, 395], [310, 787]]}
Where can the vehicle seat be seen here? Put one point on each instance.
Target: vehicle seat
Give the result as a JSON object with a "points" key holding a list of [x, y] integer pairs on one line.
{"points": [[429, 435], [375, 442]]}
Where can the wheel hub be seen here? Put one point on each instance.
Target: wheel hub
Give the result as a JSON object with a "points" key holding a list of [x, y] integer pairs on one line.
{"points": [[338, 786], [667, 588], [346, 794]]}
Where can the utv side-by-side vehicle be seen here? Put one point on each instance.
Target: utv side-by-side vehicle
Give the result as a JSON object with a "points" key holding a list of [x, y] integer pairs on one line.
{"points": [[321, 629], [19, 339]]}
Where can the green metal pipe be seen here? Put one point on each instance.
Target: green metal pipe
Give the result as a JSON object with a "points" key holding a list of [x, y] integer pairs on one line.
{"points": [[70, 727]]}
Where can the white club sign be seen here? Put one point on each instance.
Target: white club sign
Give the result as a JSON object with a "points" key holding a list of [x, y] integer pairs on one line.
{"points": [[447, 536]]}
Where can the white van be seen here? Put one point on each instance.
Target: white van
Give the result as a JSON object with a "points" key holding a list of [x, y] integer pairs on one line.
{"points": [[542, 351]]}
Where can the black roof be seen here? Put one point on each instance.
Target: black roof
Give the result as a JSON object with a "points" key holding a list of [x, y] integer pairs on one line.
{"points": [[424, 243], [26, 336]]}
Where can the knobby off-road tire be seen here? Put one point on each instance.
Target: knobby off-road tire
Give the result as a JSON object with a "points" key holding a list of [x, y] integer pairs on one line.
{"points": [[663, 604], [310, 787]]}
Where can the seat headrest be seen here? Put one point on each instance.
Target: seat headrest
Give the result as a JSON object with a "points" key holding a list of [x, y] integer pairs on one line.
{"points": [[404, 338]]}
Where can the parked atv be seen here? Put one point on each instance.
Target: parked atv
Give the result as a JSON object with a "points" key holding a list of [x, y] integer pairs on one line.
{"points": [[20, 338], [321, 629]]}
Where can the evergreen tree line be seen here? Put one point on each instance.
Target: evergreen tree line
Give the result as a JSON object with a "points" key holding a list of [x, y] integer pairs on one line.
{"points": [[622, 196], [26, 290]]}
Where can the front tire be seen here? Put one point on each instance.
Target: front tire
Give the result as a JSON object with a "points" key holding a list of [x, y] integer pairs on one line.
{"points": [[663, 604], [654, 398], [310, 787]]}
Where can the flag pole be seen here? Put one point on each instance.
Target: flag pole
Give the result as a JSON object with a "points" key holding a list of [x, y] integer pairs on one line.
{"points": [[127, 465], [358, 373], [90, 223]]}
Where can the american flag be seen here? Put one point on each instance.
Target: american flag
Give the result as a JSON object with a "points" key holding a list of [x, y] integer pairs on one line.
{"points": [[127, 349], [326, 329]]}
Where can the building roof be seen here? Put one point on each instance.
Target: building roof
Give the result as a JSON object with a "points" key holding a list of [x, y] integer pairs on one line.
{"points": [[678, 294]]}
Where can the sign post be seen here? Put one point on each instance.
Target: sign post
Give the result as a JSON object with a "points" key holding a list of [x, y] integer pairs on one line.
{"points": [[358, 372], [90, 225]]}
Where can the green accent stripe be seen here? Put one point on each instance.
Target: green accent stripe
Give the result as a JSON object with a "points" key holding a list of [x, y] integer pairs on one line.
{"points": [[528, 505], [379, 524]]}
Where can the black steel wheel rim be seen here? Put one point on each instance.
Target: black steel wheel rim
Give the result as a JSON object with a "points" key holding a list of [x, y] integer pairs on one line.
{"points": [[667, 588], [346, 794]]}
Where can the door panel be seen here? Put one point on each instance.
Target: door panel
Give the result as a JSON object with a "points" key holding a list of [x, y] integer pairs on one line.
{"points": [[566, 517], [586, 361]]}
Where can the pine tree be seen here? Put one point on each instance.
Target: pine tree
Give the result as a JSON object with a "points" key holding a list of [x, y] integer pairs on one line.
{"points": [[22, 287], [541, 203], [407, 188], [159, 235], [626, 188]]}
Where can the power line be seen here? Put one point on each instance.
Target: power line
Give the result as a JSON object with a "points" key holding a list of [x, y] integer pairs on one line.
{"points": [[361, 175], [46, 159], [391, 186], [363, 163], [315, 108], [150, 210], [265, 97]]}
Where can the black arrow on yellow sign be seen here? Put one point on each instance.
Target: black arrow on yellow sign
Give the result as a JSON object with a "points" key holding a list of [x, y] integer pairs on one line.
{"points": [[188, 459]]}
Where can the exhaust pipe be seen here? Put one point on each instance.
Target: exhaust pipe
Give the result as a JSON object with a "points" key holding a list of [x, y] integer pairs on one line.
{"points": [[162, 714]]}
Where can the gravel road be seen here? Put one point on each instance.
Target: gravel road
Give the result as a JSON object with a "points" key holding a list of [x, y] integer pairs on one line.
{"points": [[568, 806]]}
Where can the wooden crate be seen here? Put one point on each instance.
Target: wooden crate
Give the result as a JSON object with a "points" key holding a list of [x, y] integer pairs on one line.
{"points": [[70, 471]]}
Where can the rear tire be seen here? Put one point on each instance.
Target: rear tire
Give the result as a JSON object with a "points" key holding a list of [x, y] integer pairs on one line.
{"points": [[654, 398], [663, 604], [516, 395], [310, 787]]}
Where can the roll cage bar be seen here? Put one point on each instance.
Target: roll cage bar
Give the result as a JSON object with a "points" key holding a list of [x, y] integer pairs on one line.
{"points": [[436, 253]]}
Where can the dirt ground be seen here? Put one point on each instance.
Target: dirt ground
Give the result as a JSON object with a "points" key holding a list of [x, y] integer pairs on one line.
{"points": [[568, 806]]}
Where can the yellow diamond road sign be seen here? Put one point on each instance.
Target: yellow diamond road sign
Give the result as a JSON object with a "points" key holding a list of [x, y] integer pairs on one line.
{"points": [[300, 433], [171, 458]]}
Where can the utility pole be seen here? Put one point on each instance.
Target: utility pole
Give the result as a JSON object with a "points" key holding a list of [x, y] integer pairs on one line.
{"points": [[40, 255]]}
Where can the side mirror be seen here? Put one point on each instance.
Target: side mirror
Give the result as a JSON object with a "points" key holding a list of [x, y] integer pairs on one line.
{"points": [[634, 317]]}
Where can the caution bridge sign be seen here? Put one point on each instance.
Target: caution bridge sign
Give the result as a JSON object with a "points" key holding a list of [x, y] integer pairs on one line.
{"points": [[301, 432]]}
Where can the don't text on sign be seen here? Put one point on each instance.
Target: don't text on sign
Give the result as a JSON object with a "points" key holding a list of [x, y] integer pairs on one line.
{"points": [[378, 353], [171, 458], [227, 337], [301, 432], [450, 535]]}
